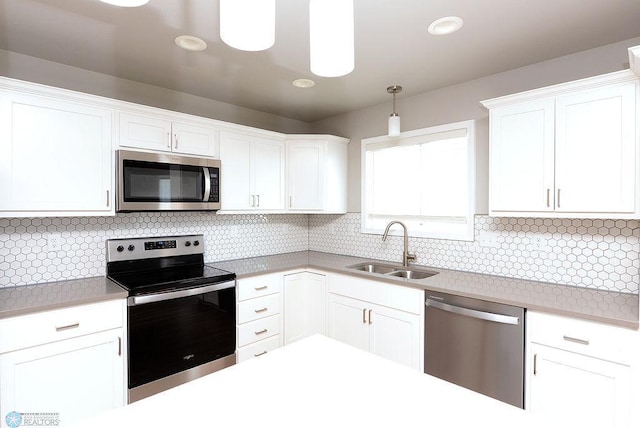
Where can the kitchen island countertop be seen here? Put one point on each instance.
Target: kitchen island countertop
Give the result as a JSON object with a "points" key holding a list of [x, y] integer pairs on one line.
{"points": [[317, 382]]}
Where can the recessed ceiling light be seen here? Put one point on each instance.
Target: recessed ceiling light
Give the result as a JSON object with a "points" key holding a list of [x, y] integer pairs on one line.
{"points": [[126, 3], [446, 25], [191, 43], [303, 83]]}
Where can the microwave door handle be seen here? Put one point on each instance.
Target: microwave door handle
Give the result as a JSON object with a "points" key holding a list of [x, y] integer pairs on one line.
{"points": [[207, 184]]}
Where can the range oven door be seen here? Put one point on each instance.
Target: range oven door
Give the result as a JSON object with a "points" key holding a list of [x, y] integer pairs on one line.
{"points": [[160, 181], [177, 331]]}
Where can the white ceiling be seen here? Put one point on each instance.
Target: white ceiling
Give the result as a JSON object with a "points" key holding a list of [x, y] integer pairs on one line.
{"points": [[391, 43]]}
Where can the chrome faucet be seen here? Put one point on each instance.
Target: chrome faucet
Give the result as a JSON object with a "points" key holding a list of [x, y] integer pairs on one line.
{"points": [[406, 256]]}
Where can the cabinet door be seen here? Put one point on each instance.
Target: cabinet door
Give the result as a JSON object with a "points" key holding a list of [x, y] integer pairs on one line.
{"points": [[194, 140], [144, 132], [55, 156], [596, 150], [305, 163], [578, 390], [74, 378], [395, 335], [267, 161], [348, 321], [521, 157], [235, 180], [305, 297]]}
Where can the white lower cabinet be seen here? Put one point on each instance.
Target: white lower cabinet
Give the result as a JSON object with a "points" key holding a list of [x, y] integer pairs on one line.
{"points": [[69, 370], [580, 372], [258, 315], [305, 297], [380, 318]]}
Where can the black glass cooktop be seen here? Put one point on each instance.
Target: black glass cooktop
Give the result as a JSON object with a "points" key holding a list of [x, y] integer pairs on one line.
{"points": [[170, 279]]}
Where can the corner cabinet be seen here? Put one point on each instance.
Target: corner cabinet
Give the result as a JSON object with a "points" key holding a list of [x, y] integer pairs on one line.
{"points": [[567, 151], [252, 177], [581, 372], [55, 153], [317, 174], [68, 363], [380, 318], [305, 304], [156, 132]]}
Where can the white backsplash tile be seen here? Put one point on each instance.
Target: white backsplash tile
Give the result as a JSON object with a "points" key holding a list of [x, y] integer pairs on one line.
{"points": [[25, 259], [602, 254]]}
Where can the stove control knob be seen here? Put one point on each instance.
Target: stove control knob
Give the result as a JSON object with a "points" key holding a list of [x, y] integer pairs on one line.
{"points": [[187, 244], [131, 247], [196, 243], [120, 248]]}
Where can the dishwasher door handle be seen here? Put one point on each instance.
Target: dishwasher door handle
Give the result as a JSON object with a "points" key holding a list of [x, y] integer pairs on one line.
{"points": [[487, 316]]}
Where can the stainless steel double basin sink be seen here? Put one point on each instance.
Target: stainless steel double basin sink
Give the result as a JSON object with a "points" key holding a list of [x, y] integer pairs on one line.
{"points": [[393, 270]]}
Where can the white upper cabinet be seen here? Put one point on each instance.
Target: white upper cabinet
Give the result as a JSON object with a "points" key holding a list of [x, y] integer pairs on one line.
{"points": [[317, 173], [252, 176], [55, 154], [154, 132], [568, 151]]}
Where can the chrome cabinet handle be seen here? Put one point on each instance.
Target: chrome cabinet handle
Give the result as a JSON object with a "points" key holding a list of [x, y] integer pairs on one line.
{"points": [[576, 340], [253, 200], [290, 201], [260, 353], [68, 327], [168, 140], [558, 201], [535, 364], [370, 310], [548, 197], [487, 316], [258, 197], [107, 199], [364, 316], [263, 331], [175, 137], [119, 346], [257, 311]]}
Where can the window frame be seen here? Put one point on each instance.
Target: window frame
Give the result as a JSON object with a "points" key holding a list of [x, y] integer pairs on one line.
{"points": [[464, 235]]}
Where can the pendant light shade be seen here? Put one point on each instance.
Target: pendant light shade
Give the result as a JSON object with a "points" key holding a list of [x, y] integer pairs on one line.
{"points": [[394, 118], [331, 37], [248, 25]]}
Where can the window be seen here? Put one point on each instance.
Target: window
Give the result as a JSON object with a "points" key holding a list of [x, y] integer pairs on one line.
{"points": [[424, 178]]}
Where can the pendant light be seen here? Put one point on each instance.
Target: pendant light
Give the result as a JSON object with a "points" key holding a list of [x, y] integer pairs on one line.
{"points": [[394, 119], [331, 37], [248, 25]]}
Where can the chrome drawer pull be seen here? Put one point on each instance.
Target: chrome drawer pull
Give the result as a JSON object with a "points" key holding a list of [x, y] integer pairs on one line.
{"points": [[261, 353], [257, 311], [68, 327], [264, 287], [263, 331], [575, 340]]}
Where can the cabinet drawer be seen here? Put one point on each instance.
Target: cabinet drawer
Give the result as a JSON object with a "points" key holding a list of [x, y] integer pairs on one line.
{"points": [[60, 324], [261, 307], [257, 330], [262, 285], [258, 348], [603, 341]]}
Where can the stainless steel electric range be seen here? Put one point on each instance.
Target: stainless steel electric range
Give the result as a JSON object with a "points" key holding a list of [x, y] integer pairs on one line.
{"points": [[181, 312]]}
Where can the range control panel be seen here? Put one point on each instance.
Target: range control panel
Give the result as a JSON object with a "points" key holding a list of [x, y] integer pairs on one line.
{"points": [[151, 247]]}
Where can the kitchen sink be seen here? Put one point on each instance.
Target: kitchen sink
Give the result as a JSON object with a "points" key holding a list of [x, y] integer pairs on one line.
{"points": [[393, 270]]}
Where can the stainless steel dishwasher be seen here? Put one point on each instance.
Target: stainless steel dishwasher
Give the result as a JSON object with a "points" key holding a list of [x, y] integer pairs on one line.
{"points": [[476, 344]]}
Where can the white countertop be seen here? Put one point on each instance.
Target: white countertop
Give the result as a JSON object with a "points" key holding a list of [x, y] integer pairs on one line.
{"points": [[317, 382]]}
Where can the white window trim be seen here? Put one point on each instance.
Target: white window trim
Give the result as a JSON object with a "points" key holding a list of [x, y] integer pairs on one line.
{"points": [[468, 234]]}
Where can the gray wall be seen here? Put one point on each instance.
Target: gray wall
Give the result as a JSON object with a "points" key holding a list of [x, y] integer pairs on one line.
{"points": [[36, 70], [462, 101]]}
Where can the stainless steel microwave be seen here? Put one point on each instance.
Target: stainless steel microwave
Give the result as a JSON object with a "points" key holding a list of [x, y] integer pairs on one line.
{"points": [[166, 182]]}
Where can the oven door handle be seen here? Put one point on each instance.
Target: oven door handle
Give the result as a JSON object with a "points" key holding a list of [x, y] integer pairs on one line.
{"points": [[152, 298]]}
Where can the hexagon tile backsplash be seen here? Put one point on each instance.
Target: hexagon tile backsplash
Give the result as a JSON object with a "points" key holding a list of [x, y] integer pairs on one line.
{"points": [[602, 254], [599, 254], [25, 257]]}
